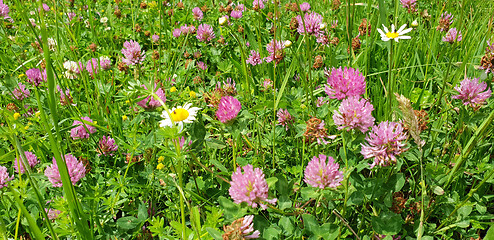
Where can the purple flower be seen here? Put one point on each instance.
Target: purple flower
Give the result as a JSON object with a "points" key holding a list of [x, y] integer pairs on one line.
{"points": [[205, 33], [197, 13], [46, 7], [187, 29], [258, 4], [106, 146], [322, 38], [228, 109], [354, 113], [132, 52], [75, 167], [445, 21], [275, 48], [52, 213], [177, 32], [105, 62], [254, 58], [92, 67], [452, 36], [343, 83], [155, 38], [81, 131], [4, 177], [31, 159], [267, 84], [242, 228], [35, 76], [21, 92], [65, 97], [472, 93], [71, 16], [250, 187], [409, 4], [284, 118], [4, 10], [312, 22], [321, 101], [384, 142], [237, 14], [202, 66], [304, 7], [322, 174], [150, 102]]}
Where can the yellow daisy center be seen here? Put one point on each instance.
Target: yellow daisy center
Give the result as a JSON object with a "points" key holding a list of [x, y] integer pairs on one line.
{"points": [[392, 35], [179, 115]]}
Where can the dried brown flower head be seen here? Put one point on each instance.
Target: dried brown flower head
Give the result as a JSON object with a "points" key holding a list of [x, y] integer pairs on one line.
{"points": [[93, 47], [156, 55], [365, 27], [12, 107], [318, 62], [335, 4], [143, 5], [122, 67], [117, 13], [315, 131]]}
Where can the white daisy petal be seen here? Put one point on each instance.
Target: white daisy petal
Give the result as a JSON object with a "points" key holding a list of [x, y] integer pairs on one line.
{"points": [[405, 31], [385, 29], [401, 28], [404, 37], [392, 28]]}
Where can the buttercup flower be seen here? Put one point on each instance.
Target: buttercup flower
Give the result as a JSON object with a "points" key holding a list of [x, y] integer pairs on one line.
{"points": [[250, 187], [228, 109], [387, 35], [343, 83], [384, 143], [472, 93], [75, 167], [322, 174], [4, 177], [179, 115], [242, 228], [21, 92], [80, 131], [354, 113], [205, 33], [452, 36], [31, 159], [132, 53]]}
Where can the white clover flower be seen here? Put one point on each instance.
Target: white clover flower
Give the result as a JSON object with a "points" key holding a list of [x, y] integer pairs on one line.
{"points": [[387, 35], [103, 20]]}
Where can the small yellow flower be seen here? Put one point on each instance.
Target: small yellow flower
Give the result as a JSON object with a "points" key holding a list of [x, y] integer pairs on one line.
{"points": [[302, 106], [173, 89], [124, 117], [21, 75], [37, 114], [192, 94], [161, 158], [160, 166], [127, 101], [26, 127], [16, 115], [102, 10]]}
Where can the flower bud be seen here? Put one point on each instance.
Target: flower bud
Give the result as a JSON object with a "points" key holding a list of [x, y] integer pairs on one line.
{"points": [[415, 23], [287, 43], [222, 20]]}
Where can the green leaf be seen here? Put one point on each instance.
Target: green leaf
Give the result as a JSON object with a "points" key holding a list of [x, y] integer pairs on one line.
{"points": [[232, 211], [387, 223], [214, 233], [272, 232], [142, 213], [490, 233], [287, 225], [215, 144], [128, 222]]}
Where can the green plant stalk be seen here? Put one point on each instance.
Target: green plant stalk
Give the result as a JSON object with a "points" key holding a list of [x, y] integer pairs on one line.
{"points": [[77, 213], [389, 94], [180, 184], [470, 194], [469, 147], [443, 85], [31, 221]]}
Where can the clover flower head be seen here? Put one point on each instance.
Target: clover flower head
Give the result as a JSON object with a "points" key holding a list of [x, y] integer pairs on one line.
{"points": [[250, 187], [343, 83], [31, 159], [472, 93], [354, 113], [322, 174], [76, 171]]}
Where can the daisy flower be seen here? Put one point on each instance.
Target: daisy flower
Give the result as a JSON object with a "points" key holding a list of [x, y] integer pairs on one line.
{"points": [[179, 115], [387, 35]]}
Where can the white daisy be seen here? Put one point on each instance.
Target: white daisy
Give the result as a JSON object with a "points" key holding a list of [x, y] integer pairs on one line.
{"points": [[180, 115], [386, 35]]}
